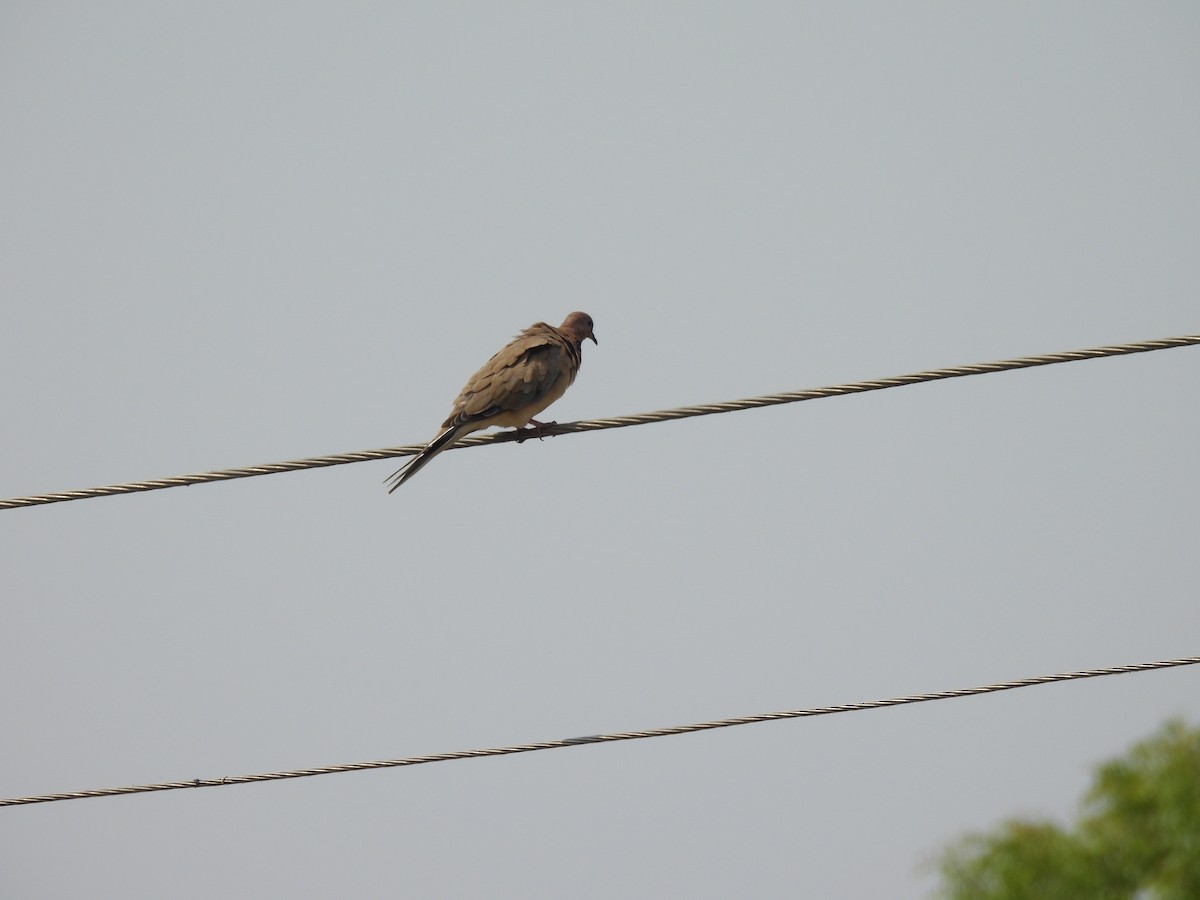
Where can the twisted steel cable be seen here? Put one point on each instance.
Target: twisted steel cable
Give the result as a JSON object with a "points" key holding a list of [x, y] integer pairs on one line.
{"points": [[665, 415], [605, 738]]}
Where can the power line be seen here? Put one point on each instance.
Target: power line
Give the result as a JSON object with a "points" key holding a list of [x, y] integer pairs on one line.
{"points": [[666, 415], [605, 738]]}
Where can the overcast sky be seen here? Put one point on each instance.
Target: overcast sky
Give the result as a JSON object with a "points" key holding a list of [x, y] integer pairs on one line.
{"points": [[237, 233]]}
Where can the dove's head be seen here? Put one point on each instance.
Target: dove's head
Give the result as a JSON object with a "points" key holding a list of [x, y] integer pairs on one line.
{"points": [[579, 326]]}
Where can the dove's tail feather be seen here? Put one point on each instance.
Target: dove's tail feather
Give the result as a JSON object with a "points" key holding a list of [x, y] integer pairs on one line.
{"points": [[442, 442]]}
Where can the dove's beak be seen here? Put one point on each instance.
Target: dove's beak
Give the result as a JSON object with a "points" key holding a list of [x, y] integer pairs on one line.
{"points": [[594, 341]]}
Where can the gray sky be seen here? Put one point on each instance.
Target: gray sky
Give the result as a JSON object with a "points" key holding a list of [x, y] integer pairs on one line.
{"points": [[240, 233]]}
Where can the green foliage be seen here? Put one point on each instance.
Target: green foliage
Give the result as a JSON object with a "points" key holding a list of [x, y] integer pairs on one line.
{"points": [[1138, 836]]}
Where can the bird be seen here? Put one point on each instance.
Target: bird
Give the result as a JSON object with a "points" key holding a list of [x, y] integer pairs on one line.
{"points": [[523, 378]]}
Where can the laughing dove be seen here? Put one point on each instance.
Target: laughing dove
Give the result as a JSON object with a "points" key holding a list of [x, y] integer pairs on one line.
{"points": [[516, 384]]}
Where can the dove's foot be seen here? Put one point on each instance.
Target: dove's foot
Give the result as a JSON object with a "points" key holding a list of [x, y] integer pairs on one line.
{"points": [[524, 434]]}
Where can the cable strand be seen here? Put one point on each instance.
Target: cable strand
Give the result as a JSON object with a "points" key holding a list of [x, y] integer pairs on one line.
{"points": [[589, 425], [608, 738]]}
